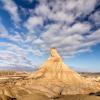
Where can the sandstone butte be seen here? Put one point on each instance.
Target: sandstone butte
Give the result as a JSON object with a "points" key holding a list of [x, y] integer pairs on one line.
{"points": [[53, 79]]}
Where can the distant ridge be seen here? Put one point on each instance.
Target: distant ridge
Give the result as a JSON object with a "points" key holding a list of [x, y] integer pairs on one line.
{"points": [[19, 68]]}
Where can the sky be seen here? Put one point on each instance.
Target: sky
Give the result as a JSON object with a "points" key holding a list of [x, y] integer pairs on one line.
{"points": [[29, 28]]}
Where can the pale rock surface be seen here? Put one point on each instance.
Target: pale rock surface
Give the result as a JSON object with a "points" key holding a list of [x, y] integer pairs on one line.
{"points": [[55, 69]]}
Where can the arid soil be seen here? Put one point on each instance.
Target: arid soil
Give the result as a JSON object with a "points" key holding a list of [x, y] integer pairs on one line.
{"points": [[7, 81]]}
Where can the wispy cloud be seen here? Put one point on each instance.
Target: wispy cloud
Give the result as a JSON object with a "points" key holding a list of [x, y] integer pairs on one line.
{"points": [[12, 9], [2, 29], [57, 23], [14, 55], [33, 22], [96, 18], [60, 33]]}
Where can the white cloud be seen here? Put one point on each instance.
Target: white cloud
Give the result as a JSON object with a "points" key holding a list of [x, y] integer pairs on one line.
{"points": [[96, 18], [94, 37], [32, 22], [5, 34], [42, 10], [38, 41], [65, 10], [80, 28], [12, 9], [14, 55], [85, 7], [69, 39], [62, 30], [3, 30], [37, 52]]}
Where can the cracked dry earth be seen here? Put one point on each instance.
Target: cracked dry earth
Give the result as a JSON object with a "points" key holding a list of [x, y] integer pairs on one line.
{"points": [[54, 80]]}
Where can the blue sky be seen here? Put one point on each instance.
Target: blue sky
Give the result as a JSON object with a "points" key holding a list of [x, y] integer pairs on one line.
{"points": [[29, 28]]}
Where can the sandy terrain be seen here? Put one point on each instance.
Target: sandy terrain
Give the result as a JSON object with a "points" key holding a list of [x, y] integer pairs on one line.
{"points": [[72, 97], [39, 96]]}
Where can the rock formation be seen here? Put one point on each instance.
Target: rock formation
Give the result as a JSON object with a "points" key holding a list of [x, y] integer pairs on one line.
{"points": [[54, 78], [55, 69]]}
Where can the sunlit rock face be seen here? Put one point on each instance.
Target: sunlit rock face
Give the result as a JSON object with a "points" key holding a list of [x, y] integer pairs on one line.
{"points": [[54, 78], [55, 69]]}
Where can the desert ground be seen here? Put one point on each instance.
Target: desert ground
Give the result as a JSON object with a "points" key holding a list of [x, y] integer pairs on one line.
{"points": [[52, 81], [9, 78]]}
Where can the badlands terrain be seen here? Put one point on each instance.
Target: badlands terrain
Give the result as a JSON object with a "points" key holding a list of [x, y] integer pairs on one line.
{"points": [[53, 81]]}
